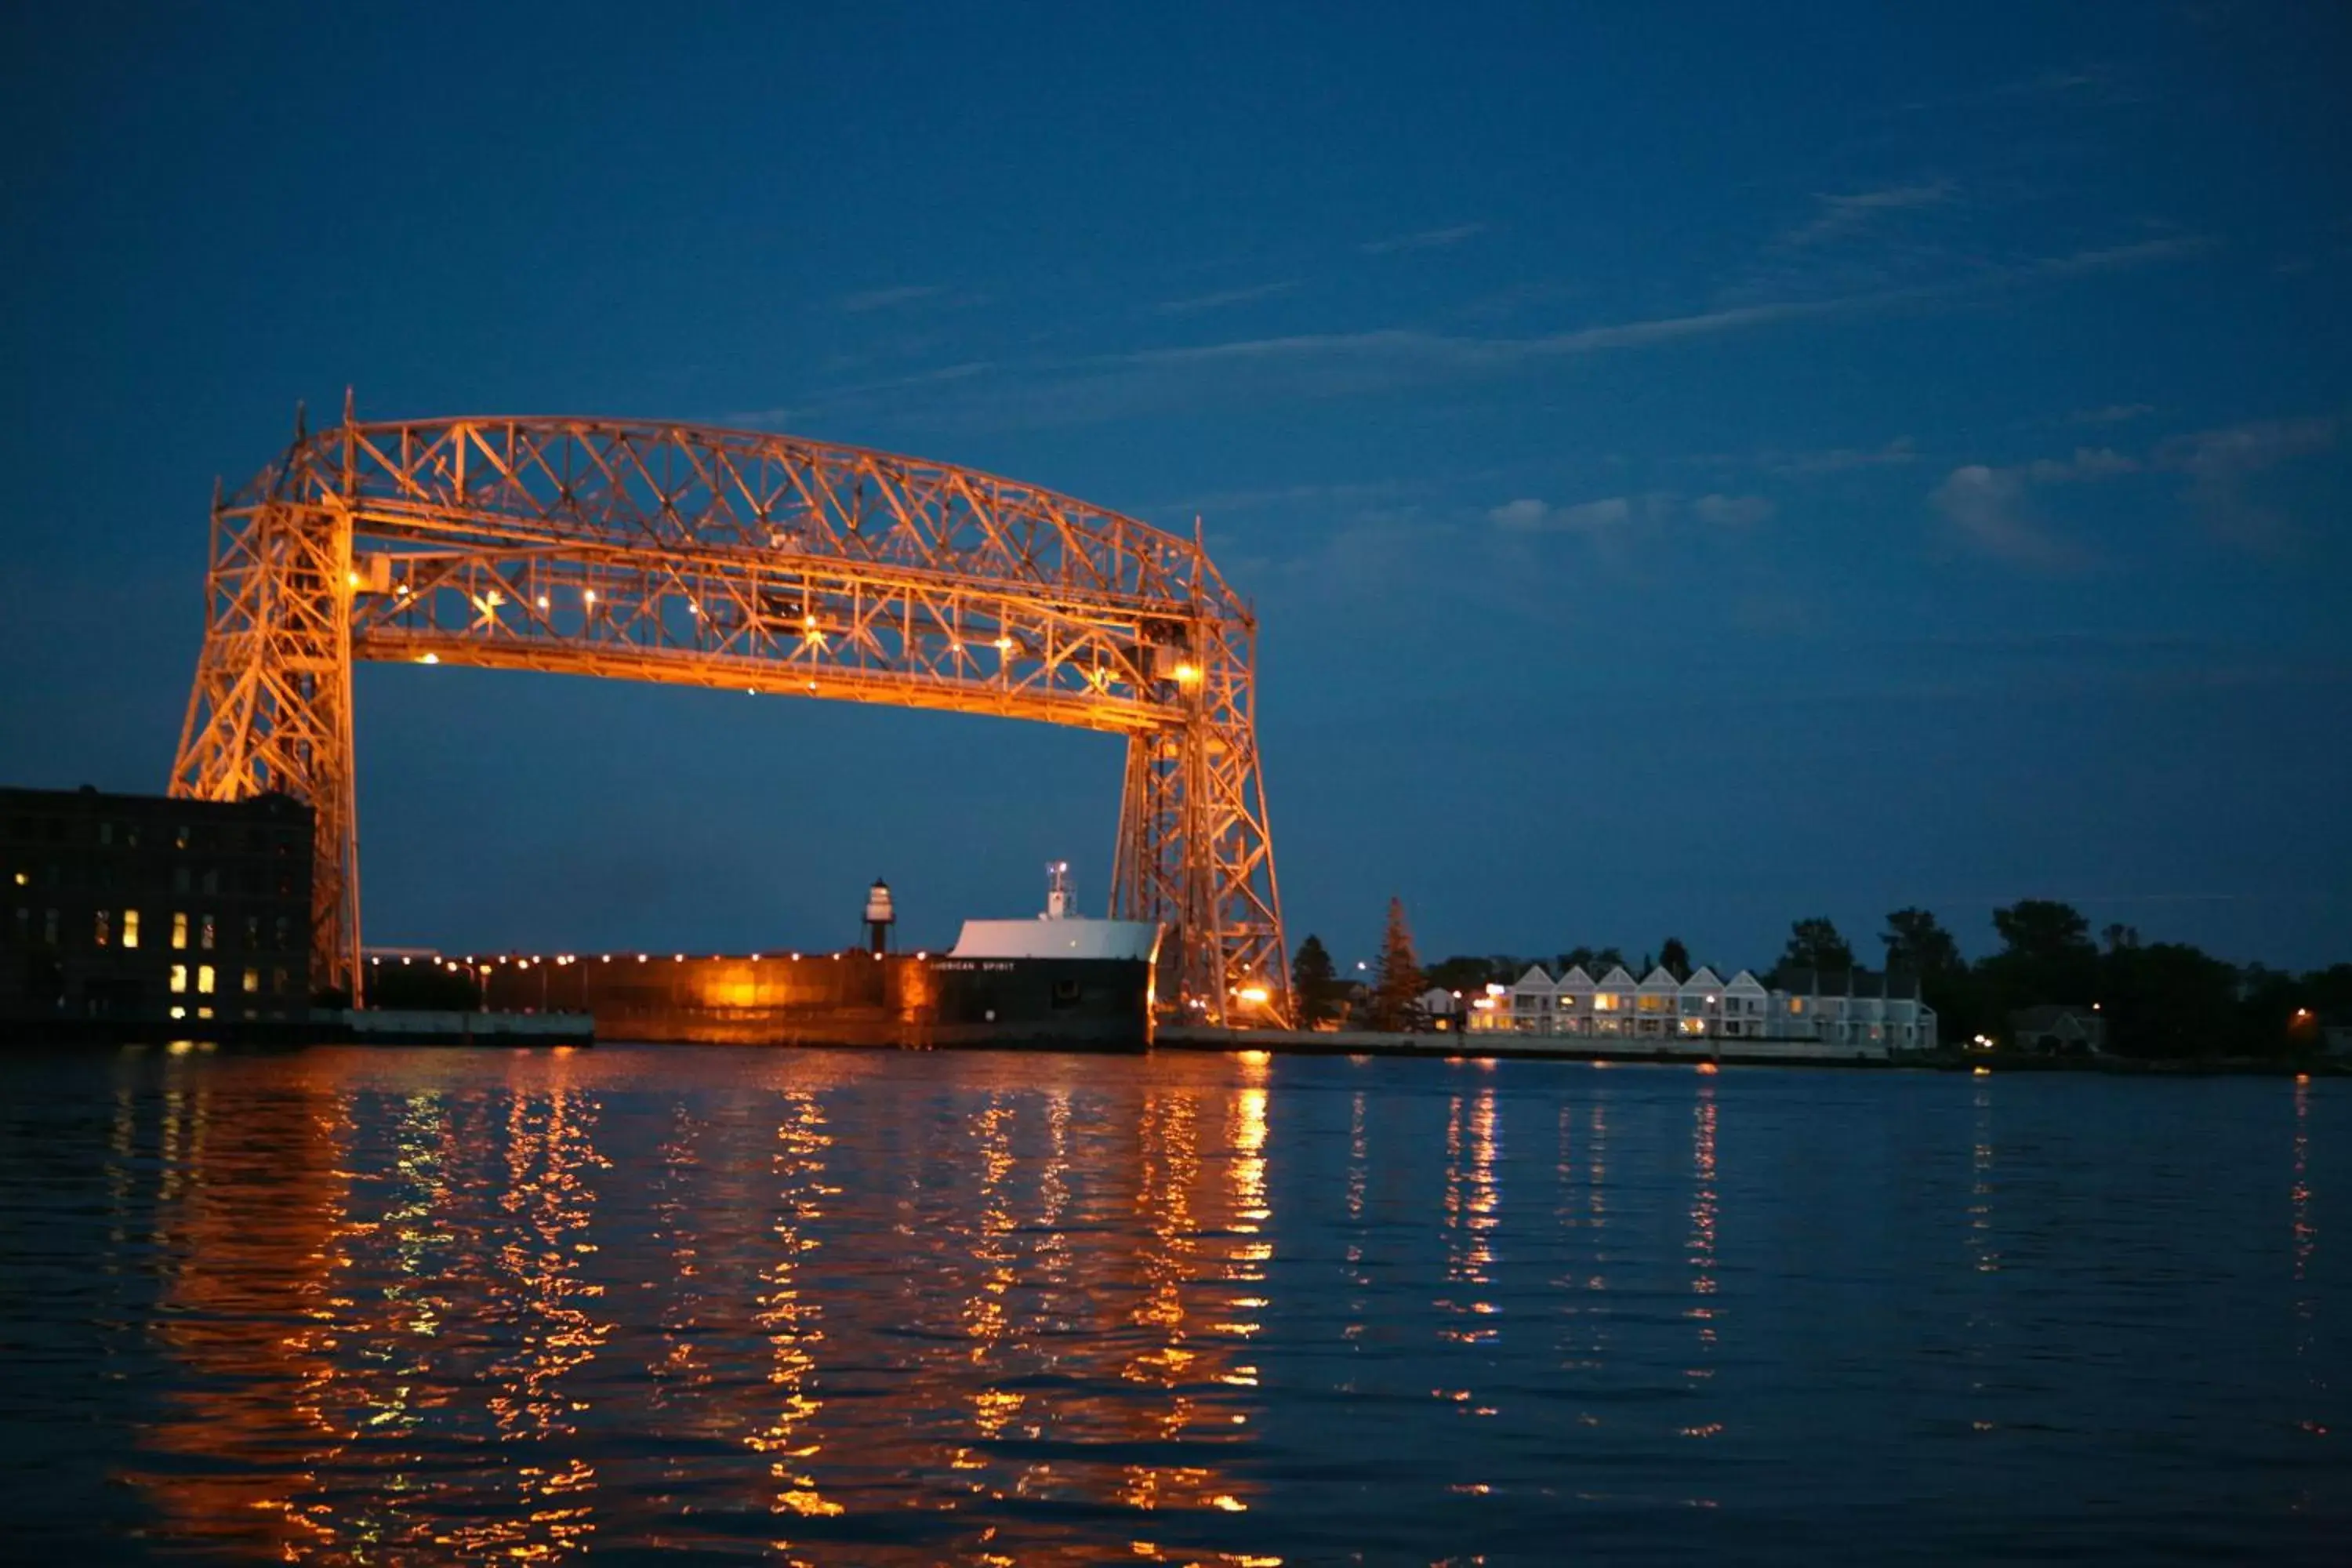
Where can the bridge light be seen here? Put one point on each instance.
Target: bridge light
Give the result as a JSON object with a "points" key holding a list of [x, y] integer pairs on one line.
{"points": [[428, 659], [1255, 995], [541, 601], [1187, 674], [587, 596], [354, 579], [1003, 644]]}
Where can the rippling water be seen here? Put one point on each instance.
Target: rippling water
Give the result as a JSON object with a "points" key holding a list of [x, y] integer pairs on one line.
{"points": [[389, 1306]]}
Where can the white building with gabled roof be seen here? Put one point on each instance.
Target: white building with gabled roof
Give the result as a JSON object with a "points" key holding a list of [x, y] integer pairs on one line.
{"points": [[1531, 1001], [1612, 1003], [1702, 1002], [1656, 1001], [1864, 1012], [1573, 1004]]}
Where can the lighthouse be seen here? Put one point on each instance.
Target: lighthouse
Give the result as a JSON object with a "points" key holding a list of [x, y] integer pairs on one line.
{"points": [[879, 917]]}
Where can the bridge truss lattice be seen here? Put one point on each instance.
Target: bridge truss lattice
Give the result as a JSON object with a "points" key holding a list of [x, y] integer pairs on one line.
{"points": [[735, 559]]}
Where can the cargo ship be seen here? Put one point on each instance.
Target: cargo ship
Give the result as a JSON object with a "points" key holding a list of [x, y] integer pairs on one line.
{"points": [[1059, 981]]}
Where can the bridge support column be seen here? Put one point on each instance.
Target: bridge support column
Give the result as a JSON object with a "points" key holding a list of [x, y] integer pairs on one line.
{"points": [[271, 707]]}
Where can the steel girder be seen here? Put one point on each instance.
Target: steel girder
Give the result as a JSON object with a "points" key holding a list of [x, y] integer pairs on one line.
{"points": [[723, 558]]}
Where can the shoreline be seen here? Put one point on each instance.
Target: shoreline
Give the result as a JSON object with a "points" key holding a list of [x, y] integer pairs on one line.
{"points": [[1789, 1053]]}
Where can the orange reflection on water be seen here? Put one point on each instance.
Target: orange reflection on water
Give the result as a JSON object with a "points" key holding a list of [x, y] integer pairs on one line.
{"points": [[428, 1314], [1472, 1211], [1701, 1241]]}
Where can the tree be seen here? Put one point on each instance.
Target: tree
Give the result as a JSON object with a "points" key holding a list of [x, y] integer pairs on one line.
{"points": [[1676, 958], [1918, 945], [1814, 943], [1465, 973], [2169, 1000], [1397, 986], [1314, 981], [2046, 956], [2043, 930]]}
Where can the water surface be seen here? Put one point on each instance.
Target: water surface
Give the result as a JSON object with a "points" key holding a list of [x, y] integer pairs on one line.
{"points": [[631, 1304]]}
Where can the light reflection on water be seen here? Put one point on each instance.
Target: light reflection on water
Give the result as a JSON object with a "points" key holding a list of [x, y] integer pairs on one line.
{"points": [[401, 1307]]}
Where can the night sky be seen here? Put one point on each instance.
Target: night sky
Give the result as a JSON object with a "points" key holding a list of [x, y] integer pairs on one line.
{"points": [[1695, 466]]}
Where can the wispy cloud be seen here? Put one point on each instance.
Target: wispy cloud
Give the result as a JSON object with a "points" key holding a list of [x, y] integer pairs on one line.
{"points": [[1425, 239], [1988, 507], [890, 299], [1222, 298], [1441, 350], [1529, 515], [1840, 216], [2220, 462], [1124, 385], [1994, 511]]}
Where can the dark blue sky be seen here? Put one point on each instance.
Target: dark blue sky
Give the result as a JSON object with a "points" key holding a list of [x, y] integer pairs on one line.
{"points": [[1696, 466]]}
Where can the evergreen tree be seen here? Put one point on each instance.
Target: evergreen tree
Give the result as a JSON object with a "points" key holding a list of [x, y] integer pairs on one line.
{"points": [[1676, 958], [1314, 981], [1815, 944], [1918, 945], [1397, 987]]}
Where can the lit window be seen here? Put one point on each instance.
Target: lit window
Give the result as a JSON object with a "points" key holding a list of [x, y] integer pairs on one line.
{"points": [[131, 928], [180, 838], [203, 979], [179, 1012], [252, 981], [179, 979], [1796, 1004], [204, 936], [105, 934], [179, 930]]}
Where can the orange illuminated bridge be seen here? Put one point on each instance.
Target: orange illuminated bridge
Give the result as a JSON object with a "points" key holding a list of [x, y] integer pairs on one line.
{"points": [[736, 559]]}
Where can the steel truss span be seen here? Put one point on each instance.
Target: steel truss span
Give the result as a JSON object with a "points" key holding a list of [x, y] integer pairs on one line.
{"points": [[736, 559]]}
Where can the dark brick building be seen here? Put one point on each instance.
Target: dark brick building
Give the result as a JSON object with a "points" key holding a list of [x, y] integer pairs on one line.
{"points": [[139, 907]]}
